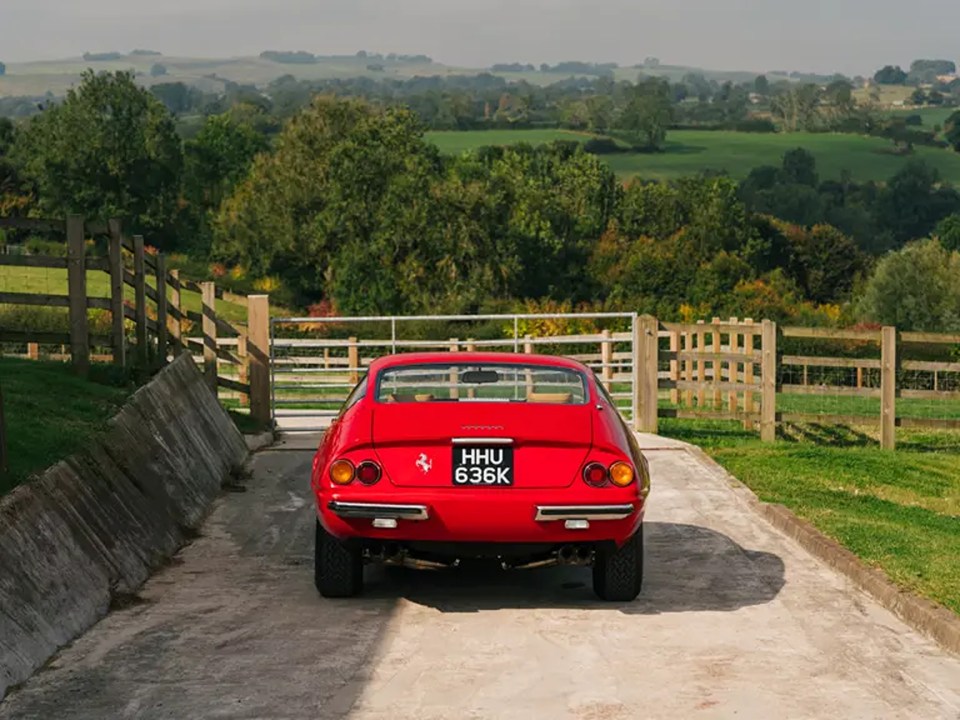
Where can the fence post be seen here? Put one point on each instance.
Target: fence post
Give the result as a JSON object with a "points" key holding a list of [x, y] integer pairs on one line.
{"points": [[243, 370], [353, 361], [208, 296], [768, 379], [77, 283], [888, 388], [701, 365], [717, 367], [258, 350], [688, 367], [748, 399], [733, 367], [116, 292], [177, 324], [606, 359], [161, 276], [647, 361], [674, 367], [33, 351], [454, 373], [140, 298]]}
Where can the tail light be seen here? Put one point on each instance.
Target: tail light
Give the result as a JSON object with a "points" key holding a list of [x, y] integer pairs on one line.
{"points": [[621, 474], [369, 473], [595, 474], [342, 472]]}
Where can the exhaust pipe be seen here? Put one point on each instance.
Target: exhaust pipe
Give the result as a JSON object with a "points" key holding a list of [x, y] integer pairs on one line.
{"points": [[566, 554], [418, 564], [549, 562]]}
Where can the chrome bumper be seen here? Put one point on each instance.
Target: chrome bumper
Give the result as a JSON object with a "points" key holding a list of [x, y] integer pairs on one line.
{"points": [[552, 513], [377, 511]]}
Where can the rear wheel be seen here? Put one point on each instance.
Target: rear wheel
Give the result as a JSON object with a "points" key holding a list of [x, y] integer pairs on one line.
{"points": [[618, 573], [337, 568]]}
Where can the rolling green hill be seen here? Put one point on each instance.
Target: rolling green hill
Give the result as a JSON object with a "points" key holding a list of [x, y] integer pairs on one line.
{"points": [[689, 152], [210, 74]]}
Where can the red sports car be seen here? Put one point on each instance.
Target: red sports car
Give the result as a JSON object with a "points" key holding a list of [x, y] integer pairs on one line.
{"points": [[439, 457]]}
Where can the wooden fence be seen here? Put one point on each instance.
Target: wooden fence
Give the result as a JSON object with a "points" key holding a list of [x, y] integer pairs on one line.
{"points": [[156, 311], [760, 375], [738, 370]]}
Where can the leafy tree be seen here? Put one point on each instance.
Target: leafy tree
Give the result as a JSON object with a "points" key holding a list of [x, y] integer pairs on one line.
{"points": [[216, 160], [109, 149], [16, 195], [951, 130], [912, 203], [890, 75], [761, 86], [948, 232], [355, 207], [916, 288], [796, 107], [158, 70], [3, 69], [178, 97], [799, 168], [939, 67], [824, 262], [648, 113]]}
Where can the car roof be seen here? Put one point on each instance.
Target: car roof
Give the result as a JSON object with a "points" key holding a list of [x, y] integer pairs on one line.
{"points": [[440, 358]]}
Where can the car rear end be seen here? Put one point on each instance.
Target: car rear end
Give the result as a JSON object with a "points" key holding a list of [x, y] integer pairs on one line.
{"points": [[485, 456]]}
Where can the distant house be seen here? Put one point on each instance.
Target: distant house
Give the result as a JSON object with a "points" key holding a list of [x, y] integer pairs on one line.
{"points": [[947, 79]]}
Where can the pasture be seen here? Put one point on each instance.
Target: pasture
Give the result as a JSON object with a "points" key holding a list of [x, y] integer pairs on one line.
{"points": [[51, 281], [689, 152]]}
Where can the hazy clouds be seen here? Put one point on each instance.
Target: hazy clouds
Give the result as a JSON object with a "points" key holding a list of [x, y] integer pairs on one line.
{"points": [[853, 36]]}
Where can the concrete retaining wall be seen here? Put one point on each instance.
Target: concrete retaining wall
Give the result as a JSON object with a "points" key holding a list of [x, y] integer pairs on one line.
{"points": [[97, 524]]}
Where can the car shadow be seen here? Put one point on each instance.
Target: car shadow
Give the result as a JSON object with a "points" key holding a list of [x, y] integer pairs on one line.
{"points": [[688, 568]]}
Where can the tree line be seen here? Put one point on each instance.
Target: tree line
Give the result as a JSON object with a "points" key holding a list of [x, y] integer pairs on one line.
{"points": [[347, 208]]}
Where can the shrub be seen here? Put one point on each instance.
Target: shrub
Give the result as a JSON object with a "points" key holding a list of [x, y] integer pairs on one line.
{"points": [[916, 288], [756, 125], [602, 146], [268, 284]]}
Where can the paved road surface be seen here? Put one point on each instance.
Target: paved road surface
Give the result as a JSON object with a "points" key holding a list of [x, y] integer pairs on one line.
{"points": [[735, 621]]}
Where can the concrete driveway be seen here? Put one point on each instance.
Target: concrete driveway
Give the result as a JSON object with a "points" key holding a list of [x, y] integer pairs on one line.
{"points": [[735, 621]]}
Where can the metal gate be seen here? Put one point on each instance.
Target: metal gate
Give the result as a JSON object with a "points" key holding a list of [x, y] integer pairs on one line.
{"points": [[315, 362]]}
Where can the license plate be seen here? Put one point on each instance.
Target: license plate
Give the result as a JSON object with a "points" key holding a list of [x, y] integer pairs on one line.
{"points": [[482, 466]]}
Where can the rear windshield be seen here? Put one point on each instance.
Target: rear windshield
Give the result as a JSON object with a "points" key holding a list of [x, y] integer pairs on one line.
{"points": [[455, 382]]}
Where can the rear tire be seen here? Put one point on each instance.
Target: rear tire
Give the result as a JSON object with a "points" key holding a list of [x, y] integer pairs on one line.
{"points": [[618, 573], [337, 568]]}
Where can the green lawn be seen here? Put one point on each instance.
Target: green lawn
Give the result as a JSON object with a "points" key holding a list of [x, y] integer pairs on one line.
{"points": [[899, 511], [51, 413], [52, 281], [689, 152]]}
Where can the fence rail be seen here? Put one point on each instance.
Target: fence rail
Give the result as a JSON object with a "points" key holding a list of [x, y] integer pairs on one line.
{"points": [[156, 312]]}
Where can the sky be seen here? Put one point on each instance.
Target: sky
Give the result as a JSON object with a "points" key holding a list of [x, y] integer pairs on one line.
{"points": [[849, 36]]}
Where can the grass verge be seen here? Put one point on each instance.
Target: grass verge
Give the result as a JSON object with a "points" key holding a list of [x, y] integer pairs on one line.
{"points": [[898, 511], [51, 413]]}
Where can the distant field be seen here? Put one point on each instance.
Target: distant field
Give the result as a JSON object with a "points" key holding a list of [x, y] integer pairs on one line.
{"points": [[691, 151], [931, 116], [889, 94], [57, 76], [454, 142]]}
